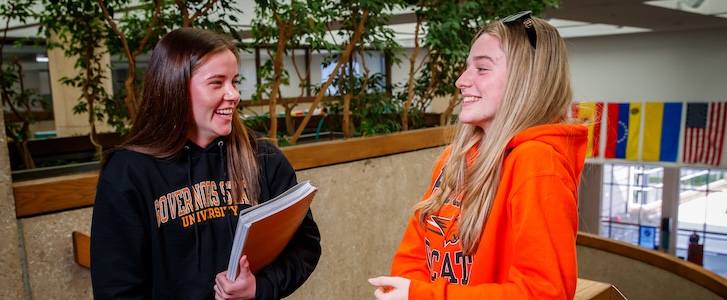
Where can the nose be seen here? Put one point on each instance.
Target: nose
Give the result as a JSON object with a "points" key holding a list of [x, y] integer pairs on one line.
{"points": [[232, 93], [463, 80]]}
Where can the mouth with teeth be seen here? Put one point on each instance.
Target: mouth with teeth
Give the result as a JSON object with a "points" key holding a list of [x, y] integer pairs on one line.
{"points": [[470, 99], [224, 112]]}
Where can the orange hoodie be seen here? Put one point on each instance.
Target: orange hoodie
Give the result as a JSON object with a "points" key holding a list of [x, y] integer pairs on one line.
{"points": [[527, 249]]}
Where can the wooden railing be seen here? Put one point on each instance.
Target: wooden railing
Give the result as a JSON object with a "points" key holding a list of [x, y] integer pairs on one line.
{"points": [[689, 271], [595, 290]]}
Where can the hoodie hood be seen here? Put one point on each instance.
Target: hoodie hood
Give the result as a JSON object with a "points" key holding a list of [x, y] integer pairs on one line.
{"points": [[570, 141]]}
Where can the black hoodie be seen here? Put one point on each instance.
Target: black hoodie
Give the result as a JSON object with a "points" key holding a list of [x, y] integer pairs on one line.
{"points": [[152, 238]]}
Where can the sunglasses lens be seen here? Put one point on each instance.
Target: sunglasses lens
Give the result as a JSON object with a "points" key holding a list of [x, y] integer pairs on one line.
{"points": [[517, 16]]}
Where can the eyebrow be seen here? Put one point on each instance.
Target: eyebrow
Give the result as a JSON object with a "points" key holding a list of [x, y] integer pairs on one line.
{"points": [[483, 57], [221, 76]]}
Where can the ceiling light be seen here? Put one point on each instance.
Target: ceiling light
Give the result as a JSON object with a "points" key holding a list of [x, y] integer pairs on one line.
{"points": [[41, 58]]}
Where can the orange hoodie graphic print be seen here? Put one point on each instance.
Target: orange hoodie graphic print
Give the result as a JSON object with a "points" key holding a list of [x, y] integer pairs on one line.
{"points": [[444, 253]]}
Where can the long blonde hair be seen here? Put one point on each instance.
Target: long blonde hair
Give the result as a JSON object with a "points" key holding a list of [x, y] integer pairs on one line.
{"points": [[537, 91]]}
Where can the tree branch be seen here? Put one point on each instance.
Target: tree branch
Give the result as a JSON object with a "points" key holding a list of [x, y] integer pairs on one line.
{"points": [[344, 58]]}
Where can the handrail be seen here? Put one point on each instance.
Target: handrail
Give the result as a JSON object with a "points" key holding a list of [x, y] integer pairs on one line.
{"points": [[60, 193], [340, 151], [680, 231], [687, 270]]}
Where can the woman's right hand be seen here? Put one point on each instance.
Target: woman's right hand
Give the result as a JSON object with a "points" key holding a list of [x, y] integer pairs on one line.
{"points": [[242, 288], [391, 288]]}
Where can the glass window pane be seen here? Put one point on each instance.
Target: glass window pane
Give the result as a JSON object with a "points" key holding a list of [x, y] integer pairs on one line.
{"points": [[631, 207], [703, 210], [34, 61]]}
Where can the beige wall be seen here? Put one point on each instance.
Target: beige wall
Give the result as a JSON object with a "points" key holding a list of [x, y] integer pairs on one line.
{"points": [[362, 208]]}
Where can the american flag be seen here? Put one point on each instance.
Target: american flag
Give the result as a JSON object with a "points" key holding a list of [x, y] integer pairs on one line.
{"points": [[704, 133]]}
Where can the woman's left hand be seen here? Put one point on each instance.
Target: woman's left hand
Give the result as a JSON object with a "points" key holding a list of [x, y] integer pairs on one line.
{"points": [[391, 288], [242, 288]]}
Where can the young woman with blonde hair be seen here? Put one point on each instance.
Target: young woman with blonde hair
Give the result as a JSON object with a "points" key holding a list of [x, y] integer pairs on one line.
{"points": [[500, 218]]}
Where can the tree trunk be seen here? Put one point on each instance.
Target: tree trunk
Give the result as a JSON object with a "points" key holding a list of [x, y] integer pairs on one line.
{"points": [[346, 122], [448, 111], [24, 151], [412, 73], [277, 75], [289, 125], [342, 60], [94, 140], [130, 99]]}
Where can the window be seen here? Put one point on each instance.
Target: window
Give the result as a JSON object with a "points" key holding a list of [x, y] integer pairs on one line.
{"points": [[631, 209], [327, 71], [34, 61], [374, 61], [703, 209], [631, 205]]}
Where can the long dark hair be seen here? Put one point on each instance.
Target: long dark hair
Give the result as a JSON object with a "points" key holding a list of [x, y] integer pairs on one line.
{"points": [[162, 122]]}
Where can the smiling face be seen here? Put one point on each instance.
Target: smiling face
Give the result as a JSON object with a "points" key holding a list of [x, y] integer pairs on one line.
{"points": [[214, 96], [483, 82]]}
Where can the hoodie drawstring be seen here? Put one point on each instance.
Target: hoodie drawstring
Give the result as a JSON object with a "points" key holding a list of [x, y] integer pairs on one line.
{"points": [[198, 245], [223, 175]]}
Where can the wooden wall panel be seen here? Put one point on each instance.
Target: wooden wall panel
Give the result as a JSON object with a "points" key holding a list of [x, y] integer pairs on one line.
{"points": [[60, 193]]}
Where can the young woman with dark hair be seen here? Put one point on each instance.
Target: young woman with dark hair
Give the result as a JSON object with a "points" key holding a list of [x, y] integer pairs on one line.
{"points": [[167, 198]]}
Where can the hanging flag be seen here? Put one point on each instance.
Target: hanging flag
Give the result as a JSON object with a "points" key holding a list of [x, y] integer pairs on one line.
{"points": [[622, 130], [704, 133], [590, 114], [662, 123]]}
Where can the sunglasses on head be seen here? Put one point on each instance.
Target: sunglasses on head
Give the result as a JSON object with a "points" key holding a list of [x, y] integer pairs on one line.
{"points": [[524, 18]]}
